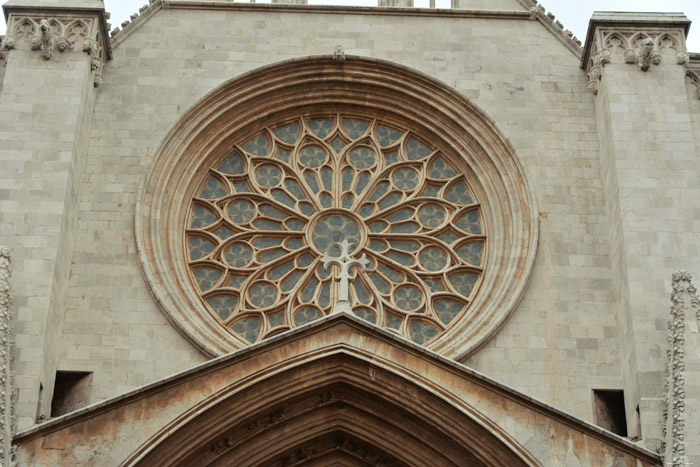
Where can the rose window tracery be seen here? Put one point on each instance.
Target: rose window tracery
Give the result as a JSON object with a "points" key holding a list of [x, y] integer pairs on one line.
{"points": [[266, 213]]}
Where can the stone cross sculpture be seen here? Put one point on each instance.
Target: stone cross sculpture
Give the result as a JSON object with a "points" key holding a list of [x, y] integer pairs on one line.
{"points": [[345, 262]]}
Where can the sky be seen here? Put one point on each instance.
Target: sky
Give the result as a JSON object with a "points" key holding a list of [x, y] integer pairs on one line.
{"points": [[572, 13]]}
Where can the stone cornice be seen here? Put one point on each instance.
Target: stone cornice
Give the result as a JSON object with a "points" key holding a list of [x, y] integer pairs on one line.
{"points": [[536, 12], [630, 25], [99, 33]]}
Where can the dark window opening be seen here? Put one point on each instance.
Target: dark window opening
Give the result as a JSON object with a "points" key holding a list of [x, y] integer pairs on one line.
{"points": [[71, 392], [610, 410]]}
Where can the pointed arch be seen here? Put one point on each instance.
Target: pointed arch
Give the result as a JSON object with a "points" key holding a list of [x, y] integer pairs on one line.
{"points": [[334, 406]]}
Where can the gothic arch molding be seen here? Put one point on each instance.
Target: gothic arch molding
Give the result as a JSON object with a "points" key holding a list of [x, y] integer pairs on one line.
{"points": [[397, 93], [338, 406]]}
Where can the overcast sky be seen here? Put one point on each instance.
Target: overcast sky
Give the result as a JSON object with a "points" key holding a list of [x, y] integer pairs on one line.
{"points": [[572, 13]]}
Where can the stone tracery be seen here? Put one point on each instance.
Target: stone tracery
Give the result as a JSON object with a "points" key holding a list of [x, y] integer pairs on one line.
{"points": [[281, 199]]}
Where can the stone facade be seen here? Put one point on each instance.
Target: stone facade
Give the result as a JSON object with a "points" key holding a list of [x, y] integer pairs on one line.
{"points": [[603, 139]]}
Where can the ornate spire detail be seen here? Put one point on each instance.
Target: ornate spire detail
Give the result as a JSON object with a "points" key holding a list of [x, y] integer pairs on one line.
{"points": [[7, 416], [683, 298], [345, 262]]}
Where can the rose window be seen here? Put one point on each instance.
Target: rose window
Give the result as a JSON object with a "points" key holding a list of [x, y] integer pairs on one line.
{"points": [[267, 213]]}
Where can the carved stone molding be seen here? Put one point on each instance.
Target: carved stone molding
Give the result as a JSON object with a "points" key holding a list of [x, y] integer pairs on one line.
{"points": [[57, 32], [7, 416], [643, 48], [683, 299]]}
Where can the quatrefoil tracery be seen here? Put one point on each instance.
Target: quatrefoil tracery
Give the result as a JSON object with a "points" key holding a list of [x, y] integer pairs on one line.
{"points": [[265, 214]]}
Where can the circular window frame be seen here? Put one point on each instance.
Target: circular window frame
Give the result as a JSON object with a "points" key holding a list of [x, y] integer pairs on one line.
{"points": [[307, 85]]}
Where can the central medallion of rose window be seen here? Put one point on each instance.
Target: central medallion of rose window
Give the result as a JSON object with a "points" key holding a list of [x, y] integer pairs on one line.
{"points": [[268, 212]]}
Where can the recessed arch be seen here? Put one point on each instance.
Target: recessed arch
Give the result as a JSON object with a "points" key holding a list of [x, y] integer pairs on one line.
{"points": [[306, 86], [334, 406]]}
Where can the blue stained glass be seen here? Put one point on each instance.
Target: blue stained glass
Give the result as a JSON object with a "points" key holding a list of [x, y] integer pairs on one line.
{"points": [[266, 224], [471, 252], [401, 258], [422, 332], [379, 191], [213, 189], [306, 315], [312, 181], [270, 255], [469, 222], [405, 245], [224, 232], [338, 144], [206, 277], [361, 292], [284, 155], [432, 215], [312, 156], [293, 187], [362, 181], [408, 298], [241, 212], [433, 259], [282, 197], [365, 314], [278, 272], [235, 282], [324, 298], [391, 158], [307, 209], [276, 319], [321, 127], [327, 177], [269, 211], [362, 158], [435, 285], [223, 305], [387, 135], [459, 194], [400, 215], [348, 200], [258, 146], [367, 210], [307, 296], [447, 309], [242, 187], [293, 224], [405, 179], [248, 329], [390, 200], [378, 226], [355, 128], [268, 175], [464, 282], [294, 243], [415, 150], [393, 321], [440, 169], [233, 165], [304, 261], [200, 247], [238, 255], [201, 217], [405, 228], [262, 294], [291, 281], [381, 285], [288, 133]]}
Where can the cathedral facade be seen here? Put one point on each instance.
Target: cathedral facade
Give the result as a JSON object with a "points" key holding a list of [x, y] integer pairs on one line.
{"points": [[290, 234]]}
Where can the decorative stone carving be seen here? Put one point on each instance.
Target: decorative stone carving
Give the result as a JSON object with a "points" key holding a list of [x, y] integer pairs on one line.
{"points": [[683, 298], [9, 42], [631, 46], [345, 262], [7, 416], [43, 40], [338, 53]]}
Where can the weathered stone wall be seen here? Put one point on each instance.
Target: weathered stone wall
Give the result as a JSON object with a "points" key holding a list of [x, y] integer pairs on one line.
{"points": [[557, 346]]}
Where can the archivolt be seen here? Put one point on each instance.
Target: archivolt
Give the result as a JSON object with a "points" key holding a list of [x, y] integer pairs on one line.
{"points": [[333, 408], [395, 93]]}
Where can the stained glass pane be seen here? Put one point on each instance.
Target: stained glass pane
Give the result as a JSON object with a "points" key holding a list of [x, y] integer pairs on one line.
{"points": [[248, 328], [422, 332], [471, 252], [387, 135], [464, 282], [362, 158], [312, 156], [268, 175], [238, 255], [293, 187], [233, 165], [241, 212], [393, 321], [405, 179], [276, 319], [262, 294], [206, 277], [432, 215], [447, 309], [440, 169], [408, 298], [224, 232], [433, 259], [258, 146], [288, 133], [469, 222], [321, 128], [337, 144], [200, 247], [223, 305], [306, 315], [213, 189], [355, 128], [459, 194], [415, 150], [366, 314], [201, 217]]}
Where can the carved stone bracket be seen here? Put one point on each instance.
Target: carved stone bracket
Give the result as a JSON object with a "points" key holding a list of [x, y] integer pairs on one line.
{"points": [[683, 299], [7, 416], [61, 32], [692, 78], [625, 44]]}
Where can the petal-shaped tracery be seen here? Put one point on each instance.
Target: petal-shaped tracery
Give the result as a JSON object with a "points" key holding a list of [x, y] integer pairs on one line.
{"points": [[265, 215]]}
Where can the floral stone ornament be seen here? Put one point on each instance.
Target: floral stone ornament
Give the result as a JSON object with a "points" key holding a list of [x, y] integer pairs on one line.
{"points": [[265, 216]]}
